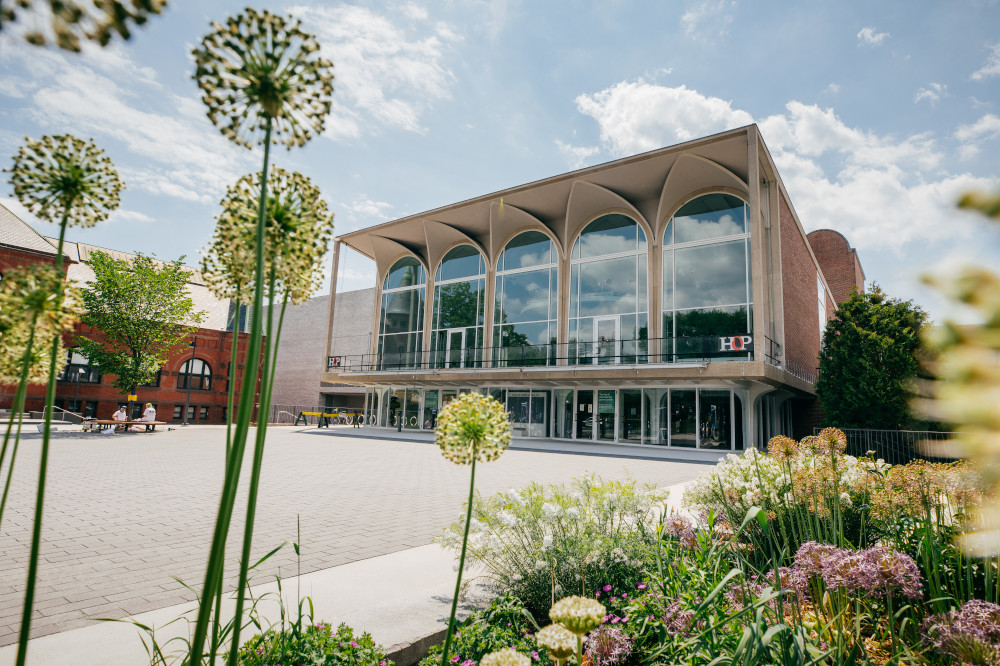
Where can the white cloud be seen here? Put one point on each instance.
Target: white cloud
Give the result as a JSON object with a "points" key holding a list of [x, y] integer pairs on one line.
{"points": [[992, 65], [882, 191], [130, 216], [639, 116], [703, 11], [832, 89], [414, 11], [871, 37], [932, 93], [386, 75], [102, 94], [370, 208], [577, 156], [970, 136]]}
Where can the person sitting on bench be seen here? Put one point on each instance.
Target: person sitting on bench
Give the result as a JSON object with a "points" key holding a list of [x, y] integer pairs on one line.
{"points": [[148, 415], [120, 415]]}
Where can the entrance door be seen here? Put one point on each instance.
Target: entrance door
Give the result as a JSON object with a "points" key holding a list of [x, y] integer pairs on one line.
{"points": [[585, 415], [454, 356], [606, 340]]}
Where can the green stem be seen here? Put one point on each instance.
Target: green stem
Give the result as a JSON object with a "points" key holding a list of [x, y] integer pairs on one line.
{"points": [[36, 534], [232, 373], [17, 408], [213, 572], [461, 563], [258, 460]]}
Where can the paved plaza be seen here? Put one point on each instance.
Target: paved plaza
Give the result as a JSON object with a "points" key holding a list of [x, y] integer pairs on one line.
{"points": [[127, 513]]}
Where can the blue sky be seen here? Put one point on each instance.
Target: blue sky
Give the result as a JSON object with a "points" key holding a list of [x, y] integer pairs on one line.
{"points": [[877, 114]]}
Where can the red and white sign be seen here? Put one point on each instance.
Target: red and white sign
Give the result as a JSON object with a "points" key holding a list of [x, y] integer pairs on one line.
{"points": [[736, 343]]}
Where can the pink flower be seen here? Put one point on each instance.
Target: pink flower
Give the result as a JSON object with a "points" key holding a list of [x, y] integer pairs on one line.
{"points": [[615, 620], [454, 659], [468, 662], [642, 586], [624, 594], [534, 655], [354, 645], [597, 594], [607, 588]]}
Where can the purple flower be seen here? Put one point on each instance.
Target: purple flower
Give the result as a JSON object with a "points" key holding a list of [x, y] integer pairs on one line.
{"points": [[455, 659], [597, 595], [969, 635], [468, 662], [641, 586], [624, 594], [354, 645], [534, 655], [608, 646], [607, 588]]}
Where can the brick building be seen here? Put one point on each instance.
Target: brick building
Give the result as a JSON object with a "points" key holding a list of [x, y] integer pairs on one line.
{"points": [[668, 299], [203, 365]]}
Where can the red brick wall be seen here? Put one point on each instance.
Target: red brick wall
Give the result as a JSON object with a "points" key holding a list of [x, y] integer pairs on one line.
{"points": [[10, 258], [839, 262], [801, 306], [213, 347]]}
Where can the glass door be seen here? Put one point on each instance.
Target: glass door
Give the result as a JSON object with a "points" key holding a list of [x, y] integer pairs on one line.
{"points": [[606, 337], [454, 353], [585, 415], [606, 415]]}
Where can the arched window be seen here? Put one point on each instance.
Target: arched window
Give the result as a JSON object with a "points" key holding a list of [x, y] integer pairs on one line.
{"points": [[524, 321], [706, 279], [608, 306], [196, 373], [401, 318], [78, 368], [459, 303]]}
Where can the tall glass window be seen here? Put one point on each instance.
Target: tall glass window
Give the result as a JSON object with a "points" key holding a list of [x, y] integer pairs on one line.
{"points": [[459, 302], [524, 317], [401, 319], [707, 294], [608, 307]]}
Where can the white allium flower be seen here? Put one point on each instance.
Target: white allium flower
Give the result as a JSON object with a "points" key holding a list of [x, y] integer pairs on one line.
{"points": [[541, 564], [845, 500], [494, 542], [578, 614], [551, 511], [573, 512], [547, 542], [516, 577], [559, 590], [508, 519]]}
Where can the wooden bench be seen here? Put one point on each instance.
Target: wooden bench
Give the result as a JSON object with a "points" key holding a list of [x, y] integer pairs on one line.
{"points": [[102, 424]]}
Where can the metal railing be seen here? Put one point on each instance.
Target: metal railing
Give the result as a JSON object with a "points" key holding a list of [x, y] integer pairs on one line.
{"points": [[610, 352], [898, 447], [288, 414]]}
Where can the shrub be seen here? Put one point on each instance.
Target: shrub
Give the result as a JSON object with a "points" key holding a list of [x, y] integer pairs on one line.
{"points": [[505, 624], [543, 544], [315, 645]]}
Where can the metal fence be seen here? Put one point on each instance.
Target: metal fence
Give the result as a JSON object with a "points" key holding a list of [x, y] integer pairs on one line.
{"points": [[899, 447], [288, 414]]}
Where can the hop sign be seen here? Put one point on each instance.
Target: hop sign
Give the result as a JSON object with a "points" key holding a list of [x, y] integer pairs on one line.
{"points": [[736, 343]]}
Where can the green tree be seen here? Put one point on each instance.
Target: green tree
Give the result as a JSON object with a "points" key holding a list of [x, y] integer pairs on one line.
{"points": [[143, 308], [868, 361]]}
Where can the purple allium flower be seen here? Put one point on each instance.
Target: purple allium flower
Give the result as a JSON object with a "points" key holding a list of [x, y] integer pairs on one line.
{"points": [[969, 635], [608, 646], [681, 528], [676, 620], [875, 571]]}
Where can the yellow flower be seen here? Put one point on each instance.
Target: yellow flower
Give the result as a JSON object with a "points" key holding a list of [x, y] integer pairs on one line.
{"points": [[260, 68], [558, 640], [505, 658], [65, 178], [578, 614], [782, 448], [833, 440], [473, 427]]}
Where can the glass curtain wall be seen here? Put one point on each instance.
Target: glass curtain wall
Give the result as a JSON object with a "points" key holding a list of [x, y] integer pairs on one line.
{"points": [[608, 307], [459, 303], [524, 318], [707, 292], [691, 418], [401, 319]]}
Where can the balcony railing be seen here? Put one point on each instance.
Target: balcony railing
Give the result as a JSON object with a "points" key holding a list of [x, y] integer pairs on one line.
{"points": [[609, 352]]}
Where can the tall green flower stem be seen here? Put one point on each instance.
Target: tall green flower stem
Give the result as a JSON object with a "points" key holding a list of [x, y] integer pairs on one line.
{"points": [[461, 565], [472, 428], [216, 556], [18, 408], [258, 460], [70, 181], [43, 465]]}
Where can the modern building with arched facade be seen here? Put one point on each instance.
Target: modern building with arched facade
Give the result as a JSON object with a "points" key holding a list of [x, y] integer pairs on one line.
{"points": [[670, 299]]}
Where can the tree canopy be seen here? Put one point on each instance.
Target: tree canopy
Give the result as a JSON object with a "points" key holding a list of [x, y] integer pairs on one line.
{"points": [[143, 308], [868, 361]]}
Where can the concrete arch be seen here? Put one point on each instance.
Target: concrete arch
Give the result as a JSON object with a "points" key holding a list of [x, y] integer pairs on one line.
{"points": [[587, 202], [521, 221], [662, 226], [385, 272], [692, 175], [441, 238], [614, 211], [543, 229], [476, 246]]}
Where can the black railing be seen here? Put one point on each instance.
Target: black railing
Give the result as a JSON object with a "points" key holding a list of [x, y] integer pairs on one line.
{"points": [[611, 352], [899, 447]]}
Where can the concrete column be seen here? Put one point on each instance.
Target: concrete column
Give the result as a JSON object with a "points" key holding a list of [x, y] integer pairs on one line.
{"points": [[428, 316], [654, 281], [333, 301], [757, 245], [488, 312], [562, 299]]}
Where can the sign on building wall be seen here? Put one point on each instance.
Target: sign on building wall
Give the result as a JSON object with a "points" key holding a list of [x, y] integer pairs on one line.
{"points": [[736, 343]]}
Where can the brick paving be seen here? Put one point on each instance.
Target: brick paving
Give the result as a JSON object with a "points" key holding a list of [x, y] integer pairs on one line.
{"points": [[126, 513]]}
